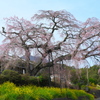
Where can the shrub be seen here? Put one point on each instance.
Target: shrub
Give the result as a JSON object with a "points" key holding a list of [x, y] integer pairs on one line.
{"points": [[44, 81], [12, 76], [71, 94], [32, 80], [93, 81], [9, 91], [92, 88], [98, 87], [3, 79], [24, 79], [35, 80], [83, 94]]}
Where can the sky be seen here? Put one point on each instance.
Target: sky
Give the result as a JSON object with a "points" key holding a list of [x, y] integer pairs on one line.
{"points": [[81, 9]]}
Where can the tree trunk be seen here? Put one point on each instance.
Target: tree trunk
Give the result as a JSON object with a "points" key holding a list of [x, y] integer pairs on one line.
{"points": [[49, 71], [27, 58]]}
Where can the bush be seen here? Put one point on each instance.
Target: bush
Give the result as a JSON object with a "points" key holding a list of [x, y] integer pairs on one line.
{"points": [[32, 80], [93, 80], [25, 79], [35, 80], [9, 91], [12, 76], [70, 94], [44, 81], [82, 95], [3, 79]]}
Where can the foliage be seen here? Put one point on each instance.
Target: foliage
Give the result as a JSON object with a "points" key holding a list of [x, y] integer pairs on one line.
{"points": [[24, 79], [36, 80], [98, 87], [8, 91], [82, 94], [12, 76], [93, 76], [3, 79]]}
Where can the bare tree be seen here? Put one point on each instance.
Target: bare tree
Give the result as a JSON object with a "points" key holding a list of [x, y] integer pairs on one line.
{"points": [[56, 32]]}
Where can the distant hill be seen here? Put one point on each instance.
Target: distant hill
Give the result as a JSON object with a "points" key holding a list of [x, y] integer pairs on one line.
{"points": [[36, 59]]}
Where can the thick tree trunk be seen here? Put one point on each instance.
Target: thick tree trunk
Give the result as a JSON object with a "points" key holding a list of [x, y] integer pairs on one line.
{"points": [[50, 64], [27, 58], [49, 70]]}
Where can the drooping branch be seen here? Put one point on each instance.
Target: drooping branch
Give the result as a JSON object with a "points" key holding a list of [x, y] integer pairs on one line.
{"points": [[77, 41]]}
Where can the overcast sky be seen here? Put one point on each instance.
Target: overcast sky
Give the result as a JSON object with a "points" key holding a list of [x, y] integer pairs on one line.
{"points": [[81, 9]]}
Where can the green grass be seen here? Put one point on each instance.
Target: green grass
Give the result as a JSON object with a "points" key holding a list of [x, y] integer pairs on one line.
{"points": [[9, 91]]}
